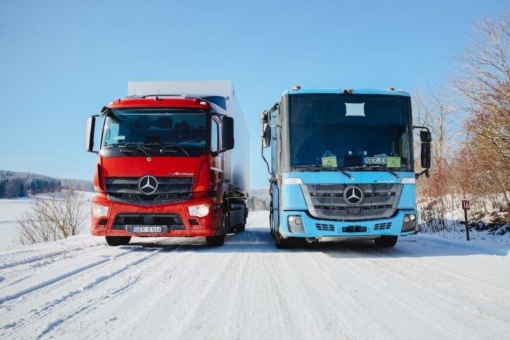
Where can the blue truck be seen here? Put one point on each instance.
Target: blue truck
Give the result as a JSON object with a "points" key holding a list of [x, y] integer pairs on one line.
{"points": [[341, 165]]}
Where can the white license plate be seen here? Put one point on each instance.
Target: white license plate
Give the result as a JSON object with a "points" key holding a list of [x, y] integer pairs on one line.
{"points": [[146, 229], [376, 160]]}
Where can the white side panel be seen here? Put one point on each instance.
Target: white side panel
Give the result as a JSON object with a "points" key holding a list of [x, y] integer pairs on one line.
{"points": [[191, 88], [240, 155]]}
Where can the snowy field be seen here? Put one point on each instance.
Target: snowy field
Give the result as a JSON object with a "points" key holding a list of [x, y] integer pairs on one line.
{"points": [[426, 287], [12, 209]]}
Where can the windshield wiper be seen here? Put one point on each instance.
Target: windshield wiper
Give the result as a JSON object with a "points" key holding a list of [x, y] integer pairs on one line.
{"points": [[164, 147], [128, 145], [384, 167], [312, 167], [317, 167]]}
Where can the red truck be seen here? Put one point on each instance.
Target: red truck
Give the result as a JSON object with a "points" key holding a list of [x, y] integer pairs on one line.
{"points": [[167, 165]]}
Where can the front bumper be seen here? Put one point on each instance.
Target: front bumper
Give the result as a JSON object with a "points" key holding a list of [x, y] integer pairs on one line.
{"points": [[312, 228], [172, 219]]}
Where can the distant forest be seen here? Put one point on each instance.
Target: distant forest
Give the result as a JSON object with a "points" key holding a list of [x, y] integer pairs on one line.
{"points": [[21, 184]]}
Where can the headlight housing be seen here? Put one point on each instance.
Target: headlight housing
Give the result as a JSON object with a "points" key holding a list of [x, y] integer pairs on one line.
{"points": [[295, 224], [201, 210], [99, 210], [409, 222]]}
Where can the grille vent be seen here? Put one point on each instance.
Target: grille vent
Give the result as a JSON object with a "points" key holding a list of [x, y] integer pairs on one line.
{"points": [[325, 227], [382, 226]]}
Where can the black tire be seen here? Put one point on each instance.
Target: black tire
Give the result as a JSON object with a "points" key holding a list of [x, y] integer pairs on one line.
{"points": [[215, 241], [271, 224], [280, 242], [241, 228], [218, 241], [386, 241], [115, 241]]}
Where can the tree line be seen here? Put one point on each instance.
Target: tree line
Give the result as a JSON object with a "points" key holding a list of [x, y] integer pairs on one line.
{"points": [[20, 184], [469, 117]]}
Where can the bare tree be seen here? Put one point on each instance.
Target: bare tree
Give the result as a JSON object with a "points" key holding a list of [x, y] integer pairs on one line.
{"points": [[433, 107], [483, 78], [55, 217]]}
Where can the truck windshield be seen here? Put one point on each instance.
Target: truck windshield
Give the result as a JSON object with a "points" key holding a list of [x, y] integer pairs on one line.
{"points": [[156, 131], [350, 132]]}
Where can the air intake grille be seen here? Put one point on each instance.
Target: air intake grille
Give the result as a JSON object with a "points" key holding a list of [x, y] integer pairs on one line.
{"points": [[171, 221], [382, 226], [327, 201], [169, 190], [325, 227]]}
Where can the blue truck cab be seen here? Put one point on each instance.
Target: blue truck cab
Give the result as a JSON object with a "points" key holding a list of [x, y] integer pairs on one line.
{"points": [[342, 166]]}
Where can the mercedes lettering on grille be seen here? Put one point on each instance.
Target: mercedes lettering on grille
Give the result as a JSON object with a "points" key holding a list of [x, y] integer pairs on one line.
{"points": [[148, 185], [353, 195]]}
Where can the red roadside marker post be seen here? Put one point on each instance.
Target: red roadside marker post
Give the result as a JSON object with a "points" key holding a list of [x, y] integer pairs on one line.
{"points": [[465, 206]]}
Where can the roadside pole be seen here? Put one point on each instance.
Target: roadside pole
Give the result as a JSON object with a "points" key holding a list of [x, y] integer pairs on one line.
{"points": [[465, 206]]}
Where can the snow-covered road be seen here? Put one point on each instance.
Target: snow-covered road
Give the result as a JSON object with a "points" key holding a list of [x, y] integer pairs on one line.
{"points": [[181, 289]]}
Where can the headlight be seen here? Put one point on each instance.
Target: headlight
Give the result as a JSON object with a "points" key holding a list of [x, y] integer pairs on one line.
{"points": [[295, 224], [201, 210], [409, 222], [99, 210]]}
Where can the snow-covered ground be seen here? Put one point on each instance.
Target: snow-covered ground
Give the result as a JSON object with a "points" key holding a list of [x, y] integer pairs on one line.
{"points": [[12, 209], [426, 287]]}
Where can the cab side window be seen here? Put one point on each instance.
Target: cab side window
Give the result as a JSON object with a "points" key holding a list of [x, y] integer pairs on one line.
{"points": [[214, 136]]}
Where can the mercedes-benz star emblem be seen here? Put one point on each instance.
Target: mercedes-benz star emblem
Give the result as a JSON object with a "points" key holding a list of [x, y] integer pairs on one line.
{"points": [[353, 195], [148, 185]]}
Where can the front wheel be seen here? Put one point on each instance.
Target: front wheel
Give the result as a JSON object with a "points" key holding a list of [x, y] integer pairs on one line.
{"points": [[215, 241], [115, 241], [386, 241], [281, 242]]}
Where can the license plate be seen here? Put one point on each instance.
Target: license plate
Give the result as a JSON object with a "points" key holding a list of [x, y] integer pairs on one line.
{"points": [[375, 160], [146, 229]]}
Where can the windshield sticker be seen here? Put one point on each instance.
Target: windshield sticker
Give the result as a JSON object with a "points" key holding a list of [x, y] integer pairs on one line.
{"points": [[355, 109], [329, 161], [393, 162], [390, 162], [119, 137]]}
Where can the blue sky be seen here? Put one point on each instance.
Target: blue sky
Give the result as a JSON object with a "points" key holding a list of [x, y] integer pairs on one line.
{"points": [[61, 61]]}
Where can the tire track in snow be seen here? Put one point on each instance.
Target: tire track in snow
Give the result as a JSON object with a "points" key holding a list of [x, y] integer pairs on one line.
{"points": [[390, 284], [76, 284], [93, 285], [34, 256]]}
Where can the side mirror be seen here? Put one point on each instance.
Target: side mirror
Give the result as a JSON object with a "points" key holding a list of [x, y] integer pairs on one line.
{"points": [[425, 155], [266, 135], [89, 134], [228, 133]]}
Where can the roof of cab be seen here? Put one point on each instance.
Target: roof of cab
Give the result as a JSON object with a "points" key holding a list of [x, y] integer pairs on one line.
{"points": [[160, 101], [298, 90]]}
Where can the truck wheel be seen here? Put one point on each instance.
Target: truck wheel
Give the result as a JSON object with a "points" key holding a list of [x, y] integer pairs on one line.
{"points": [[241, 227], [280, 242], [386, 241], [115, 241], [271, 227], [215, 241]]}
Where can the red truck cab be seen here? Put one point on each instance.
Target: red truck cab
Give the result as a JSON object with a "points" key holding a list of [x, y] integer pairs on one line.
{"points": [[160, 170]]}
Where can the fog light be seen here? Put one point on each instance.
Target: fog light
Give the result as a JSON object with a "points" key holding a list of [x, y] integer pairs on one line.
{"points": [[409, 222], [99, 210], [201, 210], [295, 224]]}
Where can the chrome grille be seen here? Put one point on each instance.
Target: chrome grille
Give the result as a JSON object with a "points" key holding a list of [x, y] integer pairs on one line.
{"points": [[326, 201], [169, 190]]}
